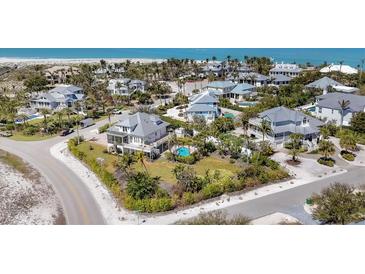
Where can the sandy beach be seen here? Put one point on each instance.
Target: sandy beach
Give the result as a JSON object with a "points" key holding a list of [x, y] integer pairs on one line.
{"points": [[53, 61]]}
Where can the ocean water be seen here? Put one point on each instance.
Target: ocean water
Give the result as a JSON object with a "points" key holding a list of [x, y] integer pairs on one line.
{"points": [[350, 56]]}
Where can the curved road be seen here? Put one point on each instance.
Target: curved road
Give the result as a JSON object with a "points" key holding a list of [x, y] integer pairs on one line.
{"points": [[78, 203]]}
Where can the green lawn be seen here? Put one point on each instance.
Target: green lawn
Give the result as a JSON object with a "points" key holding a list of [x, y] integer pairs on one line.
{"points": [[98, 152], [161, 167]]}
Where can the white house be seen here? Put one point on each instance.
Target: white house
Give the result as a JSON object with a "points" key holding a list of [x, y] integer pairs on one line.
{"points": [[325, 82], [139, 132], [341, 68], [291, 70], [328, 107], [125, 86], [205, 105]]}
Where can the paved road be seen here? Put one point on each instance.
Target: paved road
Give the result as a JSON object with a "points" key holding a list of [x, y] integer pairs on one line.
{"points": [[78, 203], [291, 201]]}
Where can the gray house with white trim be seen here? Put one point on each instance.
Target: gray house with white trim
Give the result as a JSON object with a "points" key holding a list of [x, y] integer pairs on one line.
{"points": [[58, 98], [284, 122], [139, 132], [328, 107], [204, 105], [231, 90]]}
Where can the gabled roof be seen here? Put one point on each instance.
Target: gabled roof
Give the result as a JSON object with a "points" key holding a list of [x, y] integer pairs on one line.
{"points": [[281, 78], [286, 68], [283, 114], [342, 68], [243, 89], [324, 83], [331, 100], [142, 124], [254, 75], [203, 98], [200, 108], [221, 84], [65, 89]]}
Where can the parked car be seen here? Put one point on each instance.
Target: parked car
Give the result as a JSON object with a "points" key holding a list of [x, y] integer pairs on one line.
{"points": [[5, 134], [66, 132], [87, 123], [117, 111]]}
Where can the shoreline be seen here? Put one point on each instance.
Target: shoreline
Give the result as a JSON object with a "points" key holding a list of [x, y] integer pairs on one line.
{"points": [[55, 61]]}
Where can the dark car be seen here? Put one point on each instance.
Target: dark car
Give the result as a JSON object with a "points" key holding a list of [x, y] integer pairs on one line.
{"points": [[66, 132]]}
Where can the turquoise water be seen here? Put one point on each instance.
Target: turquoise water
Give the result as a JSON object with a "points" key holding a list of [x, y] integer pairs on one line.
{"points": [[350, 56], [183, 151], [246, 104], [229, 115]]}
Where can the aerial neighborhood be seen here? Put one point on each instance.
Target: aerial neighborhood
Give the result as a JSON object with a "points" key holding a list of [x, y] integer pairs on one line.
{"points": [[181, 133]]}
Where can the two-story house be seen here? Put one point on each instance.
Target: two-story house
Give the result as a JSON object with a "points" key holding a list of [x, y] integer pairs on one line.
{"points": [[284, 122], [139, 132], [58, 98], [230, 90], [125, 86], [204, 105], [216, 68], [328, 107], [291, 70]]}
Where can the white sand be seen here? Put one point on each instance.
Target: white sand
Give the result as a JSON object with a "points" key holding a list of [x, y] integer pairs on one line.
{"points": [[25, 201], [54, 61], [276, 218]]}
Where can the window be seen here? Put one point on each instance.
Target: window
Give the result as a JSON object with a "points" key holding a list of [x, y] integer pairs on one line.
{"points": [[320, 110]]}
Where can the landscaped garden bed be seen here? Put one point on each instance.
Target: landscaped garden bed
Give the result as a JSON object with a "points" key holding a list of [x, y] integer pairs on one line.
{"points": [[163, 184], [347, 155]]}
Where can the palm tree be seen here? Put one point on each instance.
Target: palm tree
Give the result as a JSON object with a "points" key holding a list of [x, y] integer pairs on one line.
{"points": [[109, 112], [244, 119], [45, 112], [326, 148], [265, 128], [295, 139], [348, 141], [77, 120], [23, 117], [325, 132], [344, 104], [59, 115], [172, 141], [68, 112], [341, 63], [125, 162], [141, 159]]}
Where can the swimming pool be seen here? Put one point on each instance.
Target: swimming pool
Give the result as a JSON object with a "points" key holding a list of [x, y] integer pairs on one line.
{"points": [[247, 103], [229, 115], [183, 151]]}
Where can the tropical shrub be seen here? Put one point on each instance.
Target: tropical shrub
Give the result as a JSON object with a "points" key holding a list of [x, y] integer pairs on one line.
{"points": [[141, 185], [326, 161], [348, 155], [103, 128], [212, 190]]}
